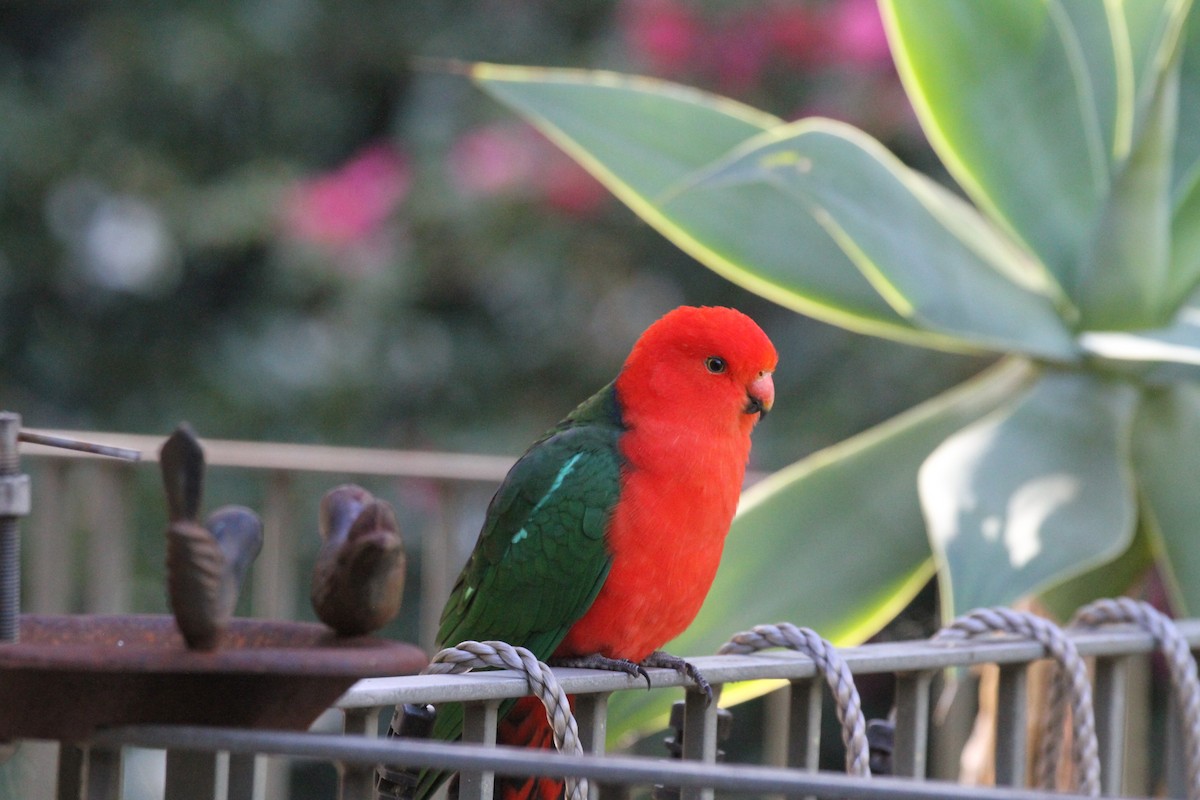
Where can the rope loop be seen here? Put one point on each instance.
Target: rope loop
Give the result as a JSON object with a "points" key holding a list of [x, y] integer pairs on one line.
{"points": [[470, 655], [1069, 681], [1181, 665], [831, 667]]}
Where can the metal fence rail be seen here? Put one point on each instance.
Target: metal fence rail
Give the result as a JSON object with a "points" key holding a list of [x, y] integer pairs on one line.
{"points": [[913, 664], [225, 763], [615, 770], [71, 485]]}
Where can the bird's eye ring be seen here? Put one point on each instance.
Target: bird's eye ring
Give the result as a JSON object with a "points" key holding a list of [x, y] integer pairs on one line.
{"points": [[715, 364]]}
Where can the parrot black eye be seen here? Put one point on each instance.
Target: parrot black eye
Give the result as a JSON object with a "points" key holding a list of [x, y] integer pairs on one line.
{"points": [[715, 364]]}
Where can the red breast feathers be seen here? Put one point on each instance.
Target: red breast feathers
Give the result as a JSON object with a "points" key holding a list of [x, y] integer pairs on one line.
{"points": [[692, 389]]}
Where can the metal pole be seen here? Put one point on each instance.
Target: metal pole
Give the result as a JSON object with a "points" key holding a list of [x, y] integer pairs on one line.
{"points": [[14, 503]]}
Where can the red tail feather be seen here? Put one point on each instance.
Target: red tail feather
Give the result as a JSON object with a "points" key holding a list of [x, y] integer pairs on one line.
{"points": [[526, 725]]}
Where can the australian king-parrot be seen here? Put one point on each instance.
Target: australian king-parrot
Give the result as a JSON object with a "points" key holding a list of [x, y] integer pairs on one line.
{"points": [[603, 540]]}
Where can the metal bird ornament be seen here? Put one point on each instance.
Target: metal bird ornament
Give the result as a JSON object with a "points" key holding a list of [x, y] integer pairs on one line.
{"points": [[205, 563], [359, 575]]}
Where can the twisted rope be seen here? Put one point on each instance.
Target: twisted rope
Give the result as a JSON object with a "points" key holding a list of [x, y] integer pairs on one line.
{"points": [[1070, 680], [837, 676], [542, 684], [1180, 663]]}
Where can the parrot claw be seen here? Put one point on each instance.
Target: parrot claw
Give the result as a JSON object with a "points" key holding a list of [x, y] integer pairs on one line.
{"points": [[597, 661], [667, 661]]}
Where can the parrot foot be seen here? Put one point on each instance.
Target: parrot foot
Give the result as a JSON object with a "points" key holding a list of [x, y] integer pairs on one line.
{"points": [[597, 661], [667, 661]]}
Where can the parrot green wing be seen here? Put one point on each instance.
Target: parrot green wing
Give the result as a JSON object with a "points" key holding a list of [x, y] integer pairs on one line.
{"points": [[541, 555]]}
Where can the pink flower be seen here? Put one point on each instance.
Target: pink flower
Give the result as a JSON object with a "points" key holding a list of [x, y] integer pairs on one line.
{"points": [[795, 36], [494, 159], [857, 32], [352, 201], [516, 159], [740, 50], [665, 35]]}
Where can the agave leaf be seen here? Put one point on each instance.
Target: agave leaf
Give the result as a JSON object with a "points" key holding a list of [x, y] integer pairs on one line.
{"points": [[1022, 102], [643, 137], [1185, 223], [1167, 462], [1187, 143], [1125, 278], [1163, 355], [1034, 494], [1107, 580], [931, 256]]}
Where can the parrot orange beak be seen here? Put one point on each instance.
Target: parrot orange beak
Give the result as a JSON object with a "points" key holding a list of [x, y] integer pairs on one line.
{"points": [[762, 395]]}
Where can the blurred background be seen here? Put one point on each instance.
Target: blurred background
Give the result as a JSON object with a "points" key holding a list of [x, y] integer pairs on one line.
{"points": [[293, 221], [289, 220]]}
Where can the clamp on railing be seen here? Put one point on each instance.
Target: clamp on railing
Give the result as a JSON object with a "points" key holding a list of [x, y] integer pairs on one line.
{"points": [[15, 502]]}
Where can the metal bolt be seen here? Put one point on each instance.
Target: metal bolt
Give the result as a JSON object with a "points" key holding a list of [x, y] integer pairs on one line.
{"points": [[14, 503]]}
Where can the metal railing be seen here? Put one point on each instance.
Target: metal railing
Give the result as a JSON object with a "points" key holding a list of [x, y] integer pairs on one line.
{"points": [[915, 666], [201, 760], [81, 540], [74, 489]]}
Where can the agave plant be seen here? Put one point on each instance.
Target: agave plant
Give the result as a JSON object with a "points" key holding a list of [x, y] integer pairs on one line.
{"points": [[1067, 468]]}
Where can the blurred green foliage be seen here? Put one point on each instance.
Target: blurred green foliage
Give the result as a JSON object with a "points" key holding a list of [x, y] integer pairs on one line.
{"points": [[292, 220]]}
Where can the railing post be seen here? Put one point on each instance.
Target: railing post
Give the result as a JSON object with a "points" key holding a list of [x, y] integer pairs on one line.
{"points": [[191, 775], [438, 563], [792, 733], [957, 717], [1110, 693], [72, 761], [912, 724], [245, 776], [274, 590], [108, 546], [1175, 767], [591, 715], [275, 569], [805, 700], [357, 781], [479, 727], [1139, 680], [699, 737], [103, 774], [53, 565], [1012, 725]]}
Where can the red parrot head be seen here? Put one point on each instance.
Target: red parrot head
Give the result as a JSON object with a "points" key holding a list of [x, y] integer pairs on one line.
{"points": [[703, 364]]}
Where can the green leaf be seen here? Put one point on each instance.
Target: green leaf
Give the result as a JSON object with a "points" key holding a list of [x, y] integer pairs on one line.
{"points": [[1107, 580], [834, 542], [1185, 240], [1164, 355], [1185, 223], [1187, 144], [1144, 32], [641, 137], [1167, 463], [1021, 101], [1125, 277], [1102, 42], [929, 254], [1034, 494]]}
